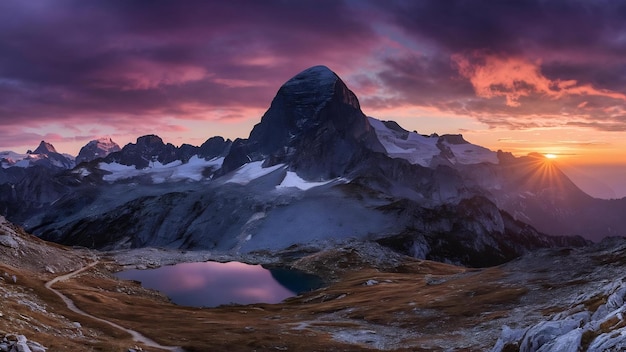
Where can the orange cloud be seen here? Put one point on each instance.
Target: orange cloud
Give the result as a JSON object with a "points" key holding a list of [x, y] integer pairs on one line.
{"points": [[514, 77]]}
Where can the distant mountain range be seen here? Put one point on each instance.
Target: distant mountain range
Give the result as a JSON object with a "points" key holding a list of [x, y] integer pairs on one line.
{"points": [[314, 172]]}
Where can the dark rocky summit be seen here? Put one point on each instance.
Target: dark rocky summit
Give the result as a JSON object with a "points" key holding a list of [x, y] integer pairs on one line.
{"points": [[315, 124]]}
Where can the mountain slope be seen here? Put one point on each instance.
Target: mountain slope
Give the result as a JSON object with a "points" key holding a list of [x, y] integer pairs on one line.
{"points": [[527, 304], [534, 190], [314, 172]]}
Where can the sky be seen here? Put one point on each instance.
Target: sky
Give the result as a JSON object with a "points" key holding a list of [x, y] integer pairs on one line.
{"points": [[520, 76]]}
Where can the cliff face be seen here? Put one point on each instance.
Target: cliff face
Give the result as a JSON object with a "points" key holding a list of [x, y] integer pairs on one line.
{"points": [[314, 124]]}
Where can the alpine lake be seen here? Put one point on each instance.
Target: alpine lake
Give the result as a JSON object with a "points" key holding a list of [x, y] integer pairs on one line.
{"points": [[211, 284]]}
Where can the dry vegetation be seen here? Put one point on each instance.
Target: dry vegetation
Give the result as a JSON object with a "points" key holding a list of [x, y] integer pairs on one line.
{"points": [[375, 299], [29, 309], [409, 305], [405, 309]]}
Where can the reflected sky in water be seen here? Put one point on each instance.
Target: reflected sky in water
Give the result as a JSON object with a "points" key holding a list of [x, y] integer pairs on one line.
{"points": [[210, 284]]}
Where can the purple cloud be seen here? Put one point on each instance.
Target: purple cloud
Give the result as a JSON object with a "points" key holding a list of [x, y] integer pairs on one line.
{"points": [[138, 65]]}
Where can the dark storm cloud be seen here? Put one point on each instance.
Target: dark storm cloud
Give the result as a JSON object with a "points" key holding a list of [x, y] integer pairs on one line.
{"points": [[66, 58], [514, 26], [526, 58], [120, 61]]}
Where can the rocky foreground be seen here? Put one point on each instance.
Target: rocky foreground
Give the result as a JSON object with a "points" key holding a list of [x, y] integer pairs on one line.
{"points": [[569, 299], [19, 343]]}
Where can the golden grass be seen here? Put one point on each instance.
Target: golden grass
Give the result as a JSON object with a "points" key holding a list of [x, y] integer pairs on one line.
{"points": [[433, 298], [460, 295], [48, 327]]}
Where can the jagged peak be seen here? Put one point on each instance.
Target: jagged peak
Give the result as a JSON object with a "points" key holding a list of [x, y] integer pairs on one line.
{"points": [[102, 140], [454, 139], [297, 106], [44, 148], [149, 139], [315, 86], [320, 75], [97, 148], [313, 105]]}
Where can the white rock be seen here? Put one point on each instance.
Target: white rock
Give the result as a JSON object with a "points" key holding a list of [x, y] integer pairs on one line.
{"points": [[569, 342], [616, 299], [545, 332], [508, 336], [36, 347], [612, 341], [8, 241], [22, 347]]}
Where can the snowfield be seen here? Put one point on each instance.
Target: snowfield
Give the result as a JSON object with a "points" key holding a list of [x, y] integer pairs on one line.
{"points": [[293, 180], [472, 154], [251, 171], [421, 150], [416, 149], [173, 172]]}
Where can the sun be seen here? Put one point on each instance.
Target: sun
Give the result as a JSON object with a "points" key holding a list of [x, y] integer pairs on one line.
{"points": [[550, 156]]}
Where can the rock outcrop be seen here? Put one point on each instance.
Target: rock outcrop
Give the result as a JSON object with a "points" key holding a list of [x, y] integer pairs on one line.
{"points": [[19, 343]]}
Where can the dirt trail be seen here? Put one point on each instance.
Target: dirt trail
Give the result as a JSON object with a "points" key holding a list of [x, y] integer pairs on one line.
{"points": [[70, 304]]}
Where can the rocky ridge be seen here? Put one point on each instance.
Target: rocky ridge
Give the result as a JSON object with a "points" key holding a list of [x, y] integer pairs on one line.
{"points": [[19, 343]]}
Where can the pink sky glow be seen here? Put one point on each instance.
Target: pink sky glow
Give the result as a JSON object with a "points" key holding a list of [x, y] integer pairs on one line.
{"points": [[531, 76]]}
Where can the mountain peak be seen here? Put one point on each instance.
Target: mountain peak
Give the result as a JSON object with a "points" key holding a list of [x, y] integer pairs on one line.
{"points": [[301, 104], [313, 108], [150, 140], [148, 148], [320, 76], [103, 140], [314, 87], [97, 148], [44, 148]]}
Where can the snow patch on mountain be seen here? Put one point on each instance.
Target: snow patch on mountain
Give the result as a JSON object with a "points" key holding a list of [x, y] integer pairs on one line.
{"points": [[472, 154], [10, 158], [293, 180], [83, 172], [420, 150], [414, 148], [251, 171], [159, 173]]}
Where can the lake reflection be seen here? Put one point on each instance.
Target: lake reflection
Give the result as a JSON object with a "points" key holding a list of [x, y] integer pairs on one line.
{"points": [[211, 284]]}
